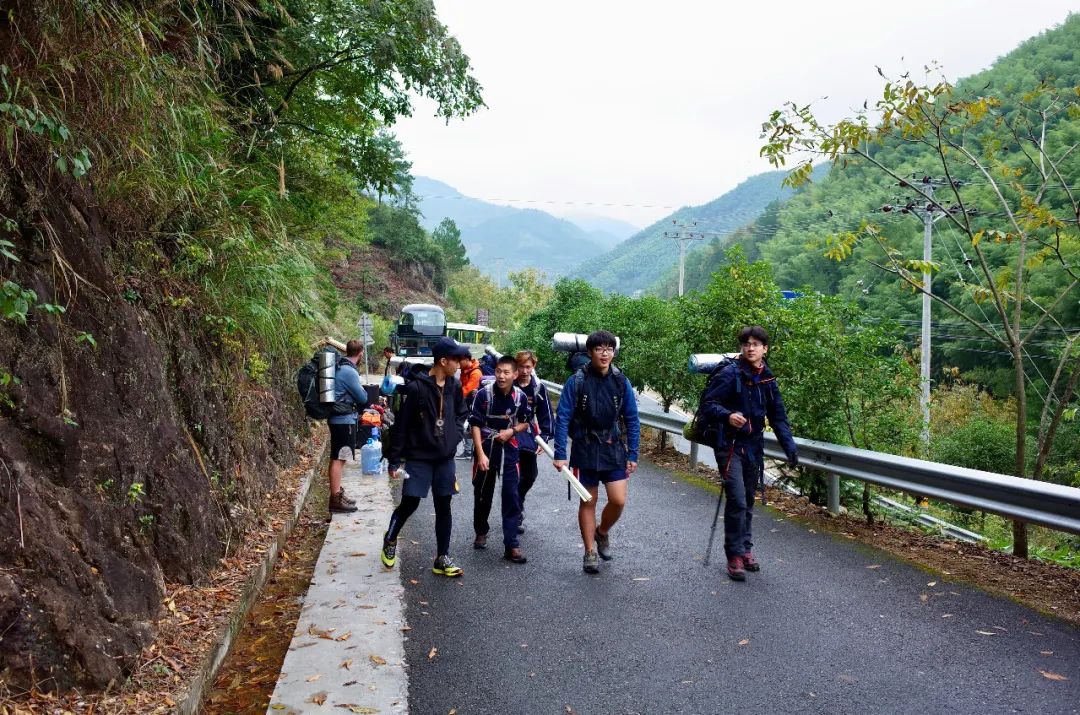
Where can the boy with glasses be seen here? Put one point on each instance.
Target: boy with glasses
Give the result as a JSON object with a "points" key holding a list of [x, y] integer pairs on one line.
{"points": [[744, 394], [598, 411]]}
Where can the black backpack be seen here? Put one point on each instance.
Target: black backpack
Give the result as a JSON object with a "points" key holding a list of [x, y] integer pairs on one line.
{"points": [[700, 428], [307, 384]]}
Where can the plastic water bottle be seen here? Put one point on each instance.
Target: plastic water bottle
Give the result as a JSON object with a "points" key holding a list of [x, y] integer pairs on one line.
{"points": [[371, 456]]}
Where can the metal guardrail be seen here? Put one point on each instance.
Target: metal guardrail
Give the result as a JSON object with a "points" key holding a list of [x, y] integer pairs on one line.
{"points": [[1051, 505]]}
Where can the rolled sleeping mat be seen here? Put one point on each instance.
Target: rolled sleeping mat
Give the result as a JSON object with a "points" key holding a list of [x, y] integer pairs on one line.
{"points": [[574, 342], [490, 350], [705, 363], [327, 367]]}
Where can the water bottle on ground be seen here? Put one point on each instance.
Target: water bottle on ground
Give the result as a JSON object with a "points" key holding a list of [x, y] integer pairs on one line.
{"points": [[371, 457]]}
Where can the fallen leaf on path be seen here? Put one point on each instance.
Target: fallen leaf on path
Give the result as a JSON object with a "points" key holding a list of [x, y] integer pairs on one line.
{"points": [[874, 566], [318, 698], [1046, 652], [1002, 629], [1052, 676], [946, 615], [932, 583], [315, 677], [277, 706], [347, 664], [432, 653], [405, 629], [923, 597], [366, 605], [811, 531], [414, 582], [642, 578], [358, 553], [377, 659], [360, 710], [744, 641], [986, 633], [344, 636]]}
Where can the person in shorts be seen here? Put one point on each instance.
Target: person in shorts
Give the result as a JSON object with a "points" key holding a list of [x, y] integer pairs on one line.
{"points": [[598, 411], [343, 428], [426, 433]]}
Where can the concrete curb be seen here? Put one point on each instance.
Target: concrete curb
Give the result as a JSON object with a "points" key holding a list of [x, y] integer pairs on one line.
{"points": [[200, 686], [348, 648]]}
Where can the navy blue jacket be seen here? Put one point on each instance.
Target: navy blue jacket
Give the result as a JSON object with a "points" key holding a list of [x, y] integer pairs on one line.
{"points": [[592, 450], [758, 399]]}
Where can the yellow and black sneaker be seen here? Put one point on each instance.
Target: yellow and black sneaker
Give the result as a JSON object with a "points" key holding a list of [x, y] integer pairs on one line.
{"points": [[389, 553], [445, 566]]}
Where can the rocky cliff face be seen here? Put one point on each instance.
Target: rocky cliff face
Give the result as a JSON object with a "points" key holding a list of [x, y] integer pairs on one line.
{"points": [[130, 450]]}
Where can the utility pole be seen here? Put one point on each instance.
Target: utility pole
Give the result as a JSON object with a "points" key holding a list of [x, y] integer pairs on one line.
{"points": [[929, 211], [682, 234]]}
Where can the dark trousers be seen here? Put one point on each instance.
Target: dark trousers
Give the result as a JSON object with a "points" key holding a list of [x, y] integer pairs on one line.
{"points": [[527, 462], [504, 461], [740, 483]]}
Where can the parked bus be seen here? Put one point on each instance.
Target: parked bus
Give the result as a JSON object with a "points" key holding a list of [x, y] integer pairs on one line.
{"points": [[474, 337], [418, 328]]}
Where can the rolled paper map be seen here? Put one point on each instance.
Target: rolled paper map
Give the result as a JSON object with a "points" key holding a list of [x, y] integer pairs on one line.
{"points": [[581, 491]]}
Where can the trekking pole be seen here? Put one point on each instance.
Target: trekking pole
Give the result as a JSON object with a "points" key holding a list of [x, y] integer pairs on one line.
{"points": [[719, 500], [716, 518]]}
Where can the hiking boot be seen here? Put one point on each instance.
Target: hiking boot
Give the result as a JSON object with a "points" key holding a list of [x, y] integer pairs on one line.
{"points": [[445, 566], [750, 563], [345, 499], [339, 506], [389, 552], [735, 569], [591, 562], [514, 555], [603, 546], [480, 542]]}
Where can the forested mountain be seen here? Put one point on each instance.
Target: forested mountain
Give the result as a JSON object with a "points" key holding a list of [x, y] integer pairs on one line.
{"points": [[792, 236], [642, 259], [500, 239], [608, 232]]}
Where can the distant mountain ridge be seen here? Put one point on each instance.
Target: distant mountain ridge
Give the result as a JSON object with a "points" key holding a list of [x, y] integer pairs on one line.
{"points": [[500, 239], [640, 261]]}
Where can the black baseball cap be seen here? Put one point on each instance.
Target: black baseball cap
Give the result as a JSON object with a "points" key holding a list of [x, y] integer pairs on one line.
{"points": [[449, 348]]}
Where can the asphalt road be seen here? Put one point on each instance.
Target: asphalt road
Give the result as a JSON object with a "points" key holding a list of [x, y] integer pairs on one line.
{"points": [[827, 626]]}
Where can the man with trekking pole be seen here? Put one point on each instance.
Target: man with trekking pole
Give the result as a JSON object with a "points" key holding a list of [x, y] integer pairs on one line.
{"points": [[738, 400]]}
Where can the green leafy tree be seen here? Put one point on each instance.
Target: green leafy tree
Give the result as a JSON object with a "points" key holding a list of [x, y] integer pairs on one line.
{"points": [[1006, 204], [448, 237]]}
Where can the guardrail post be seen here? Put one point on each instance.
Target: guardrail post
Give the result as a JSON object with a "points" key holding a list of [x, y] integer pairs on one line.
{"points": [[693, 455], [834, 494]]}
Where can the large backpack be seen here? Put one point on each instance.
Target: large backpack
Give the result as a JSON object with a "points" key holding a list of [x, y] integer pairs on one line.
{"points": [[579, 391], [702, 429], [307, 384]]}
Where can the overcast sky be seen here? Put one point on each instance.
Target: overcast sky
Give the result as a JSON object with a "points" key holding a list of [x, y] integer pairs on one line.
{"points": [[659, 104]]}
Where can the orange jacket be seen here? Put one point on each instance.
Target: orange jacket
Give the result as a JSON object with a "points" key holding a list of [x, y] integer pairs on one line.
{"points": [[470, 377]]}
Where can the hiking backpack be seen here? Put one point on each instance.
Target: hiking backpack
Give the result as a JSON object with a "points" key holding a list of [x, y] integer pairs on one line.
{"points": [[579, 391], [307, 384], [701, 429]]}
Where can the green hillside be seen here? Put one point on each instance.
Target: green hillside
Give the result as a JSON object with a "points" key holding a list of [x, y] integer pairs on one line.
{"points": [[792, 236], [521, 238], [640, 260]]}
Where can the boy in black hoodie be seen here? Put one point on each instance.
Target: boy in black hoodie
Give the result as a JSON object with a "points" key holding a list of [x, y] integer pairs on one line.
{"points": [[426, 433]]}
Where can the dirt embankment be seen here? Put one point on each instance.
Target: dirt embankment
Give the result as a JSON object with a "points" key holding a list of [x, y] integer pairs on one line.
{"points": [[370, 278], [128, 458]]}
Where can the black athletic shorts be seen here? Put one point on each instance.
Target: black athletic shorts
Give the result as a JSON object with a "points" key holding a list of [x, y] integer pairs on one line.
{"points": [[343, 442]]}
